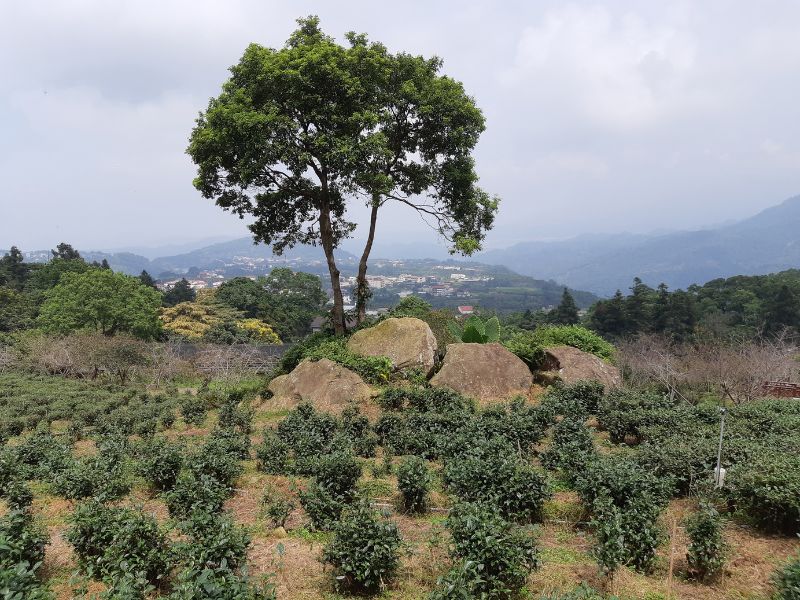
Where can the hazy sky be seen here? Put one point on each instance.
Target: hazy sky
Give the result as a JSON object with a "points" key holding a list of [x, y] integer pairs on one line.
{"points": [[601, 117]]}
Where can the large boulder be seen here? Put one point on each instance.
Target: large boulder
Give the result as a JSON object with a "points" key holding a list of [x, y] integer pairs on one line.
{"points": [[327, 385], [486, 372], [573, 365], [407, 341]]}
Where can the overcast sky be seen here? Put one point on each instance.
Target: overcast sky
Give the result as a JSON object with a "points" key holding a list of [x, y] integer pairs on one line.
{"points": [[601, 117]]}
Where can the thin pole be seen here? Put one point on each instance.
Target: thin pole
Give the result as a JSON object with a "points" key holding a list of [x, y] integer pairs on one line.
{"points": [[718, 472]]}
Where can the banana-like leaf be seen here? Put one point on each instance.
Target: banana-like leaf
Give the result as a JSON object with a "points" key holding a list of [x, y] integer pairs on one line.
{"points": [[492, 329], [455, 329], [472, 336]]}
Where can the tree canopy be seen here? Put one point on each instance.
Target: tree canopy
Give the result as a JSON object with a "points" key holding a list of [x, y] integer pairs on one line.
{"points": [[103, 301], [299, 132]]}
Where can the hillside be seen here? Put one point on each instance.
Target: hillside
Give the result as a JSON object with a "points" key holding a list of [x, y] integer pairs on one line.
{"points": [[765, 243]]}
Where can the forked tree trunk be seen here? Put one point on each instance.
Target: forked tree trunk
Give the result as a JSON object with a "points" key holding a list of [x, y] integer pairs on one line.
{"points": [[362, 287], [326, 236]]}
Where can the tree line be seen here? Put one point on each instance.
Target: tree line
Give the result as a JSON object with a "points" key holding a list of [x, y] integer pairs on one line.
{"points": [[68, 294]]}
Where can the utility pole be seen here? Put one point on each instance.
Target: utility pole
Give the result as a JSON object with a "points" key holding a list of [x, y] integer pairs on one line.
{"points": [[719, 474]]}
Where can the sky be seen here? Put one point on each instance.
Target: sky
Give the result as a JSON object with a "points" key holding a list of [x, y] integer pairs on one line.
{"points": [[601, 117]]}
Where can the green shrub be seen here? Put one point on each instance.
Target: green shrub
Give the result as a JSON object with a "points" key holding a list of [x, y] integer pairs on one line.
{"points": [[21, 582], [219, 584], [576, 401], [214, 459], [299, 351], [276, 507], [504, 554], [706, 552], [786, 580], [571, 449], [229, 441], [101, 477], [374, 369], [492, 472], [338, 474], [364, 551], [322, 507], [22, 540], [530, 345], [272, 454], [159, 462], [193, 493], [414, 482], [119, 543], [193, 409], [40, 455], [215, 540], [625, 502], [17, 494], [358, 431], [235, 415], [766, 489], [309, 434]]}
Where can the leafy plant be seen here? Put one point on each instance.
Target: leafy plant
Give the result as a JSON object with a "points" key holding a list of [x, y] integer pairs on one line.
{"points": [[767, 489], [193, 409], [786, 580], [571, 450], [276, 507], [272, 454], [484, 544], [193, 492], [414, 482], [707, 549], [364, 551], [160, 462], [475, 330], [374, 369]]}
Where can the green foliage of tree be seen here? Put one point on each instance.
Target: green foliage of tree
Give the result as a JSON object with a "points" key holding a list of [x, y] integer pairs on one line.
{"points": [[103, 301], [180, 292], [566, 313], [13, 269], [299, 132], [287, 299]]}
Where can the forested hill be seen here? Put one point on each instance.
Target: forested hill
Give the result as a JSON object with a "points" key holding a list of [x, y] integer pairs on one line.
{"points": [[765, 243]]}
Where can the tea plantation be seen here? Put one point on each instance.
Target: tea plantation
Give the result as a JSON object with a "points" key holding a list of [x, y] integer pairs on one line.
{"points": [[121, 492]]}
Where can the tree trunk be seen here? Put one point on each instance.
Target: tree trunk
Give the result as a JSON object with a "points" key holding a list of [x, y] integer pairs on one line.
{"points": [[326, 235], [362, 287]]}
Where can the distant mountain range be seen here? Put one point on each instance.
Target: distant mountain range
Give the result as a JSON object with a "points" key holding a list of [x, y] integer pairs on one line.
{"points": [[765, 243]]}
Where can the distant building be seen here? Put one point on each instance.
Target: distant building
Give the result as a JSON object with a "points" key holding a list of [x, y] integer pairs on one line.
{"points": [[466, 310]]}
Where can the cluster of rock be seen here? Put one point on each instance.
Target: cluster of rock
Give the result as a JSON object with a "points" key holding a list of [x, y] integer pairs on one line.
{"points": [[486, 372]]}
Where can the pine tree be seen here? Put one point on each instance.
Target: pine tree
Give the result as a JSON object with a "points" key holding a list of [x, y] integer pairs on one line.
{"points": [[567, 311], [180, 292], [147, 280], [66, 252]]}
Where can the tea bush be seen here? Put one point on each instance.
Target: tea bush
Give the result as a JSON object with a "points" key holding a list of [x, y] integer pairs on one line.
{"points": [[22, 540], [766, 489], [331, 490], [196, 493], [625, 503], [101, 477], [214, 541], [571, 450], [502, 554], [214, 460], [786, 580], [491, 471], [364, 551], [276, 507], [193, 409], [115, 543], [159, 461], [272, 455], [576, 401], [414, 482], [706, 552], [219, 584]]}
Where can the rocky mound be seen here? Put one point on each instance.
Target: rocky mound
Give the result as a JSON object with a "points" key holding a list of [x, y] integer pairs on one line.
{"points": [[407, 341], [327, 385], [487, 372], [574, 365]]}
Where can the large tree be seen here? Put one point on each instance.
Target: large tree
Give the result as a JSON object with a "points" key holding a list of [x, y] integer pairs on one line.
{"points": [[102, 301], [298, 133]]}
